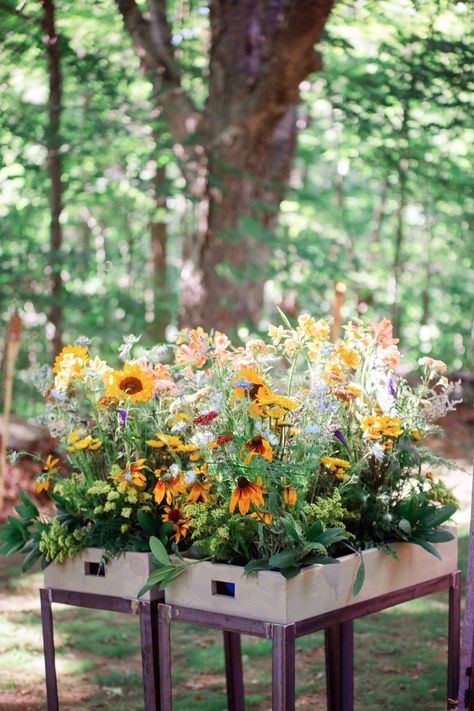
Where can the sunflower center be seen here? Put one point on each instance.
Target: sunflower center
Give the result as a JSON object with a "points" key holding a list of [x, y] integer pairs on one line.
{"points": [[256, 441], [242, 482], [174, 515], [131, 385]]}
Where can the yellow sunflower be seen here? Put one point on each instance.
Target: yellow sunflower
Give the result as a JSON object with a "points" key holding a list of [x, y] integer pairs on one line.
{"points": [[132, 382]]}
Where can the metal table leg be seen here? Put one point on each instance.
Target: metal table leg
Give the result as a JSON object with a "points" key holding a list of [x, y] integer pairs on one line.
{"points": [[150, 655], [49, 651], [339, 645], [283, 667], [454, 642], [233, 672], [166, 692]]}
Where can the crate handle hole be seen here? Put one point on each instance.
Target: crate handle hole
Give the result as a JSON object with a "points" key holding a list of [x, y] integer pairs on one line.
{"points": [[97, 569], [219, 587]]}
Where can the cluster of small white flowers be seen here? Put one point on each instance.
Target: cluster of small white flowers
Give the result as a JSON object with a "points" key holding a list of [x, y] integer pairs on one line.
{"points": [[440, 401]]}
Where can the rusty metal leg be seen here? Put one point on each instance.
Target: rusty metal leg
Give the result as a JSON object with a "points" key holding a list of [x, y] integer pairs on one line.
{"points": [[283, 667], [166, 693], [233, 672], [339, 644], [150, 654], [454, 632], [49, 651]]}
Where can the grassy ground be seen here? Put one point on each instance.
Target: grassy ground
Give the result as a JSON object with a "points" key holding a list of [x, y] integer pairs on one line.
{"points": [[400, 660]]}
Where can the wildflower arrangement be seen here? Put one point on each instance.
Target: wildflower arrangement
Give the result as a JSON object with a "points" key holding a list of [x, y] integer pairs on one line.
{"points": [[277, 455]]}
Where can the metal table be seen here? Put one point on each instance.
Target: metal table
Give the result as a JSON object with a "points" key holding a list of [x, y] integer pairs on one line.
{"points": [[148, 616], [338, 626]]}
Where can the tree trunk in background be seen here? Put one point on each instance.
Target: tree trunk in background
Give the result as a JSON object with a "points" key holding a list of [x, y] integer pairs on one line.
{"points": [[53, 142], [239, 158], [399, 239]]}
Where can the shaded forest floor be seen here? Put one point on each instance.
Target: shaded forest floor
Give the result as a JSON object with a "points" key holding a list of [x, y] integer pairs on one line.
{"points": [[400, 653]]}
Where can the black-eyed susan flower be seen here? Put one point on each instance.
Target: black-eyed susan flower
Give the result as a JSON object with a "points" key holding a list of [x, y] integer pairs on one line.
{"points": [[131, 475], [290, 495], [245, 494], [200, 486], [168, 486], [257, 446], [133, 383], [262, 516], [42, 483], [179, 520]]}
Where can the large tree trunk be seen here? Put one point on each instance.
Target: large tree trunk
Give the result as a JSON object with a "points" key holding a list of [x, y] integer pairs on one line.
{"points": [[53, 142], [260, 52]]}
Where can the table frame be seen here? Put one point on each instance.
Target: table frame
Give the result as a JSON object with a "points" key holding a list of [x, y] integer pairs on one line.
{"points": [[338, 626]]}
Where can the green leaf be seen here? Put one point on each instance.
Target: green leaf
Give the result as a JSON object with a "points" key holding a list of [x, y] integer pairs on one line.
{"points": [[434, 535], [147, 522], [331, 535], [405, 526], [34, 555], [254, 566], [427, 546], [284, 318], [290, 571], [29, 505], [283, 559], [159, 551], [438, 516], [315, 531], [360, 577]]}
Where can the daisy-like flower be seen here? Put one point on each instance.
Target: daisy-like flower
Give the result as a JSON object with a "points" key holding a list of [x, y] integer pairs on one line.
{"points": [[42, 483], [179, 520], [376, 426], [257, 446], [69, 355], [290, 495], [347, 356], [78, 441], [173, 442], [336, 466], [262, 516], [200, 487], [131, 475], [133, 383], [245, 494], [50, 463], [168, 486]]}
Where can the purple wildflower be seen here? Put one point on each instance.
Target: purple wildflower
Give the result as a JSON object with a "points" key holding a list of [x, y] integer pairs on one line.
{"points": [[390, 386], [338, 434], [122, 416]]}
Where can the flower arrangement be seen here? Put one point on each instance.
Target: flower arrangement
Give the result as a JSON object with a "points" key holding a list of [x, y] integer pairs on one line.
{"points": [[276, 455]]}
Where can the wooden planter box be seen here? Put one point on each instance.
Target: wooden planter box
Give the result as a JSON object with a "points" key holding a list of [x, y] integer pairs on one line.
{"points": [[316, 590], [122, 577]]}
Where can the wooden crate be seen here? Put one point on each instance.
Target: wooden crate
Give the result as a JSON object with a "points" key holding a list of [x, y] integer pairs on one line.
{"points": [[122, 577], [314, 591]]}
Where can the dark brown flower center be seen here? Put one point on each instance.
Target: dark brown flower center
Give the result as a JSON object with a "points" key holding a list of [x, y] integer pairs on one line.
{"points": [[256, 441], [131, 385], [242, 482], [174, 515]]}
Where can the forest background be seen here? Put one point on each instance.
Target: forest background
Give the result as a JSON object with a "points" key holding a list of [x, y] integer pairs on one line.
{"points": [[170, 163]]}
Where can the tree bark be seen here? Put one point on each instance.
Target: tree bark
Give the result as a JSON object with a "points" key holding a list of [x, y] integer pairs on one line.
{"points": [[161, 296], [240, 163], [53, 142]]}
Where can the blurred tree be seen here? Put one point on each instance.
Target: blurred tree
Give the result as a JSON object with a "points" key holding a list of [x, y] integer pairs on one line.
{"points": [[236, 154]]}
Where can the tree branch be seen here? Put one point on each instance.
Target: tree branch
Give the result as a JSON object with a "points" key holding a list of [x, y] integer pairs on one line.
{"points": [[152, 40]]}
